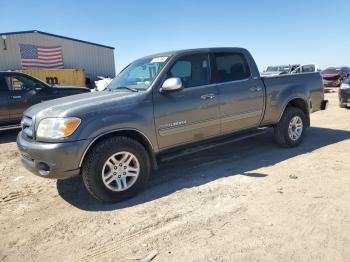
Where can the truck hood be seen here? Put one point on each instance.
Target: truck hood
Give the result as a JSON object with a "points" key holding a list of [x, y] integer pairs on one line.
{"points": [[82, 104]]}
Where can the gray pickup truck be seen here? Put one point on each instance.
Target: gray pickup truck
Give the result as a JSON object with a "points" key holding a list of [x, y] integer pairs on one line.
{"points": [[162, 105]]}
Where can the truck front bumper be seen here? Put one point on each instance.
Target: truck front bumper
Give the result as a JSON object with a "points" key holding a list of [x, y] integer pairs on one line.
{"points": [[51, 160]]}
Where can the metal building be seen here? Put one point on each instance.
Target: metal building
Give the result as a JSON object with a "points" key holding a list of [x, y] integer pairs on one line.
{"points": [[95, 59]]}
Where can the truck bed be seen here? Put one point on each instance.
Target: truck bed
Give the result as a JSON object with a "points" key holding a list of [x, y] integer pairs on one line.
{"points": [[279, 90]]}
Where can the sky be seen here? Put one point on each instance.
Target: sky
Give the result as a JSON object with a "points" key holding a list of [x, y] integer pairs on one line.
{"points": [[275, 32]]}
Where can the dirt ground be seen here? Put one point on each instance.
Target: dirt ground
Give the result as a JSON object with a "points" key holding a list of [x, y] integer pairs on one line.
{"points": [[247, 201]]}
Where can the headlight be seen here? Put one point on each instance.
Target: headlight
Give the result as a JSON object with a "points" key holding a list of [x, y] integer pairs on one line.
{"points": [[54, 128], [344, 86]]}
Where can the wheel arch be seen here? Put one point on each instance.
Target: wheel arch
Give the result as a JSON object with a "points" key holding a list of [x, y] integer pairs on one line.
{"points": [[300, 103], [130, 133]]}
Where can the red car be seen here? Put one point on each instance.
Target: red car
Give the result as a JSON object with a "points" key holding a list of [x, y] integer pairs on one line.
{"points": [[334, 76]]}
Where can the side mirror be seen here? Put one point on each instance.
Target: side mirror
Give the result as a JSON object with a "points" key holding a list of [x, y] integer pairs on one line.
{"points": [[171, 84]]}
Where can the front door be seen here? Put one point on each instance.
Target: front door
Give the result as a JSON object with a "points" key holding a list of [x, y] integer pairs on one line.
{"points": [[191, 114], [241, 95]]}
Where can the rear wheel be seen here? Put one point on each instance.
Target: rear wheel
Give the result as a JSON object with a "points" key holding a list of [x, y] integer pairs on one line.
{"points": [[116, 169], [290, 131]]}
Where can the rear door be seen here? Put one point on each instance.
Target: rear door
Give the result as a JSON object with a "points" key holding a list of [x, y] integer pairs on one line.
{"points": [[191, 114], [23, 92], [241, 95], [4, 112]]}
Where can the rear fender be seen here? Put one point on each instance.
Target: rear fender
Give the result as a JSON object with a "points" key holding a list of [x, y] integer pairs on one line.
{"points": [[300, 103], [278, 101]]}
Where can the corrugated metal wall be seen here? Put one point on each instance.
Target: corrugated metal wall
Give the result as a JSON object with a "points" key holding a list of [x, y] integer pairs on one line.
{"points": [[96, 60]]}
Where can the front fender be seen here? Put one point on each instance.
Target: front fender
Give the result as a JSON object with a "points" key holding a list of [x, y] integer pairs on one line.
{"points": [[140, 120]]}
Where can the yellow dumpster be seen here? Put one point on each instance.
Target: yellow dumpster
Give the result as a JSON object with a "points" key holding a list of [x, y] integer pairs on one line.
{"points": [[66, 77]]}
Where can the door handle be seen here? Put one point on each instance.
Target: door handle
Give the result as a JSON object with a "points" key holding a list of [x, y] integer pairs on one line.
{"points": [[208, 96], [16, 97], [255, 89]]}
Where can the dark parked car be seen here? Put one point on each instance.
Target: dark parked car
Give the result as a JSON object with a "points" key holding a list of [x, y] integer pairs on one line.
{"points": [[19, 91], [344, 94], [333, 76], [160, 107]]}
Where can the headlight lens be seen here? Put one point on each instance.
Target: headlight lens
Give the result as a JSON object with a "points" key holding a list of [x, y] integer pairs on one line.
{"points": [[54, 128], [344, 86]]}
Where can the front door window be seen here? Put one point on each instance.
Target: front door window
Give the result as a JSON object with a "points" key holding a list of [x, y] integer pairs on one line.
{"points": [[193, 70]]}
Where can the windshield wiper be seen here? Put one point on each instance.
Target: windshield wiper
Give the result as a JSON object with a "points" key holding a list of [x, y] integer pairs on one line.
{"points": [[125, 87]]}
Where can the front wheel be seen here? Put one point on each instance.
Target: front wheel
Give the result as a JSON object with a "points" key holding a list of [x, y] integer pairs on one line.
{"points": [[290, 131], [116, 169]]}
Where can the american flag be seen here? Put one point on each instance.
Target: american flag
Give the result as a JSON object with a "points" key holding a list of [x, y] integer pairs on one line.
{"points": [[41, 57]]}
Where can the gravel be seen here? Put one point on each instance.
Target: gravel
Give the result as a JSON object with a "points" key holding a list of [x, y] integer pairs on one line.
{"points": [[247, 201]]}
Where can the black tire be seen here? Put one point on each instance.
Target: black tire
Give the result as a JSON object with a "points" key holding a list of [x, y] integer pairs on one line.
{"points": [[281, 134], [97, 157]]}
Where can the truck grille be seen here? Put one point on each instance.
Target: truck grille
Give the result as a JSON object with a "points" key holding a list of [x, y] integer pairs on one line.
{"points": [[27, 127]]}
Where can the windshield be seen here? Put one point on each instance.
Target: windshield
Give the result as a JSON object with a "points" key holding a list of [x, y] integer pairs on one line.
{"points": [[331, 71], [139, 75]]}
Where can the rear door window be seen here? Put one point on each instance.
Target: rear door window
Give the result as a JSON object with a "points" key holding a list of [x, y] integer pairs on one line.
{"points": [[193, 70], [230, 67]]}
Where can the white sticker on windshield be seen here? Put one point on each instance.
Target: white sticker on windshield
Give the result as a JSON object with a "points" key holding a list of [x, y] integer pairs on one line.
{"points": [[160, 59]]}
